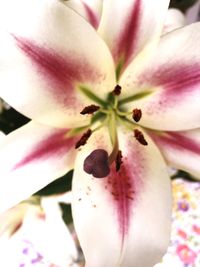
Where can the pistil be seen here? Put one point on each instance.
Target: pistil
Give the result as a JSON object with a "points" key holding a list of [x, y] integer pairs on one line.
{"points": [[118, 160], [97, 163]]}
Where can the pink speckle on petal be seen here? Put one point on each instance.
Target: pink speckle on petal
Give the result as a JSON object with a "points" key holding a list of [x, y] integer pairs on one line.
{"points": [[173, 82], [122, 191], [124, 186], [180, 82]]}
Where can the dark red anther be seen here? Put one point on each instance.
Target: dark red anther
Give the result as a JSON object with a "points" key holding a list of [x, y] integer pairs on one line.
{"points": [[84, 138], [118, 160], [117, 90], [90, 109], [97, 164], [140, 137], [137, 114]]}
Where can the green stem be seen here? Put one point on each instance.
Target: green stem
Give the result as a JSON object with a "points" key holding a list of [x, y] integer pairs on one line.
{"points": [[113, 137], [112, 128]]}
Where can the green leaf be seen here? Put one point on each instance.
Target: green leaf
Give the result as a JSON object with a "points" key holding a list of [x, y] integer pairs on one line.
{"points": [[66, 213], [183, 5], [185, 175]]}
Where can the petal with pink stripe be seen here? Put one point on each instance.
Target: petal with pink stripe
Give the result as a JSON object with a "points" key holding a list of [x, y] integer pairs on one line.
{"points": [[136, 23], [48, 65], [126, 215], [173, 77], [181, 149], [90, 10], [41, 154]]}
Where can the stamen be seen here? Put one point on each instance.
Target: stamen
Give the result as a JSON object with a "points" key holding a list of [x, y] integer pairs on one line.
{"points": [[89, 109], [83, 139], [137, 114], [117, 90], [118, 160], [97, 164], [140, 137]]}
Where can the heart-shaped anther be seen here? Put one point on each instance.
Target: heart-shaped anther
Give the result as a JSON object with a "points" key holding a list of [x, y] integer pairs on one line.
{"points": [[97, 163]]}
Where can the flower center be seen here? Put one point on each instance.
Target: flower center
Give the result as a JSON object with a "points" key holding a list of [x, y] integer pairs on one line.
{"points": [[110, 114]]}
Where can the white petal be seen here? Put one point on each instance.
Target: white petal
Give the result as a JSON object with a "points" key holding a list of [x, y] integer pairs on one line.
{"points": [[136, 24], [46, 60], [173, 78], [174, 20], [126, 215], [89, 9], [32, 157], [11, 220], [181, 149]]}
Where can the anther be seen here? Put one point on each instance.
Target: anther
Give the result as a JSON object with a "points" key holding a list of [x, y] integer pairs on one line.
{"points": [[117, 90], [83, 140], [97, 164], [89, 109], [118, 160], [140, 137], [137, 114]]}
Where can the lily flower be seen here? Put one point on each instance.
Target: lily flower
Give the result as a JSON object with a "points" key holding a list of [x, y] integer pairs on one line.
{"points": [[114, 98], [31, 232]]}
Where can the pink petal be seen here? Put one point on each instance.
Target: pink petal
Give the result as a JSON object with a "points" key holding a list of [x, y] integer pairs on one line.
{"points": [[32, 157], [181, 149], [48, 65], [126, 215], [129, 34]]}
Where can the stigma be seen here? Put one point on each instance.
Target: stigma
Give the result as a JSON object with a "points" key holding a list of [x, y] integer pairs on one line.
{"points": [[97, 163]]}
